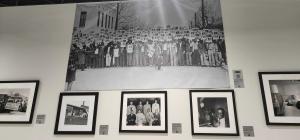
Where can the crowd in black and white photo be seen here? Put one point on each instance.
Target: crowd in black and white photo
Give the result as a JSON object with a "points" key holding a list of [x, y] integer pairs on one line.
{"points": [[143, 112], [151, 40], [173, 46], [152, 47]]}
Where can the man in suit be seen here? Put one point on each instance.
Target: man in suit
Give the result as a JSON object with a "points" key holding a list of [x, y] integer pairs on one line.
{"points": [[211, 53], [123, 54], [149, 117], [147, 107], [140, 106], [131, 108], [156, 118], [131, 118], [202, 51], [116, 56], [180, 52], [129, 49]]}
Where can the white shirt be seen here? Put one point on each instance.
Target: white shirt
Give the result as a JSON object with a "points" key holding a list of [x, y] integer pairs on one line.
{"points": [[222, 123], [129, 48], [116, 52], [155, 106]]}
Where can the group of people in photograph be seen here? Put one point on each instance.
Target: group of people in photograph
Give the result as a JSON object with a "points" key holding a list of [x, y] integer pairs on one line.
{"points": [[143, 114], [93, 50], [142, 48]]}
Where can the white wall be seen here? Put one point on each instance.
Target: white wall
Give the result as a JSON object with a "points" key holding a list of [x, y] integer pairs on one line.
{"points": [[261, 35]]}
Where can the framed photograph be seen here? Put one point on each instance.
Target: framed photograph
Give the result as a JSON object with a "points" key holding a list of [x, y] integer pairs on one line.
{"points": [[144, 112], [213, 112], [281, 97], [76, 113], [17, 101]]}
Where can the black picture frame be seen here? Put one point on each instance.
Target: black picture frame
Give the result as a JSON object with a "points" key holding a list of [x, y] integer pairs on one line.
{"points": [[31, 99], [194, 98], [267, 96], [143, 94], [93, 122]]}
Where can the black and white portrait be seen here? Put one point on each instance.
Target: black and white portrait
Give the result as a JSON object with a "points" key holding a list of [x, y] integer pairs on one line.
{"points": [[213, 112], [17, 101], [76, 113], [281, 97], [143, 111], [149, 44]]}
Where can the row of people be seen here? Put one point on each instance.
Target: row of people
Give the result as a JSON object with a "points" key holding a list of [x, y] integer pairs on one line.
{"points": [[141, 119], [182, 52], [153, 108], [143, 115]]}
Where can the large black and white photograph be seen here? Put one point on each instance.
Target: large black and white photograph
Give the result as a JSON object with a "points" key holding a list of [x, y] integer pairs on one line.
{"points": [[76, 113], [143, 111], [148, 44], [17, 101], [281, 97], [213, 112]]}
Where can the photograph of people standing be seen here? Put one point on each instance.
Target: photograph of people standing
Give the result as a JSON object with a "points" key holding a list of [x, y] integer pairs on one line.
{"points": [[143, 112], [133, 39]]}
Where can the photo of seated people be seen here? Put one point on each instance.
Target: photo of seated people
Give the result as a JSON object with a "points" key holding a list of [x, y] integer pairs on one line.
{"points": [[213, 112], [285, 97], [143, 112]]}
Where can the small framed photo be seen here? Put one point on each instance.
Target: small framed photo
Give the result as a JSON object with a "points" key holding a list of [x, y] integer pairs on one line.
{"points": [[17, 101], [144, 112], [281, 97], [213, 112], [76, 113]]}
